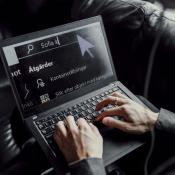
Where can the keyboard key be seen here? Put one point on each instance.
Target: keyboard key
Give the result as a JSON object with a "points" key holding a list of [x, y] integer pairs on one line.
{"points": [[94, 107], [46, 124], [88, 106], [62, 117], [69, 113], [110, 91], [83, 108], [49, 122], [79, 105], [89, 100], [109, 106], [106, 93], [38, 123], [46, 131], [85, 102], [102, 95], [65, 114], [59, 113], [89, 111], [89, 118], [49, 118], [83, 114], [94, 103], [93, 98], [98, 101], [76, 110], [66, 110], [115, 89], [42, 120], [56, 120], [53, 127], [72, 113], [41, 126], [76, 117], [53, 121], [94, 115], [97, 96], [75, 106]]}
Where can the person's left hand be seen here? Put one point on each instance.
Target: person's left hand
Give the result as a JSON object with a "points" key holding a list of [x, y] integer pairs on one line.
{"points": [[78, 141]]}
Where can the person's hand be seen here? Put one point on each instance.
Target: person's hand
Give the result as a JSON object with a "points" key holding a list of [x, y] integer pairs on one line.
{"points": [[136, 118], [78, 140]]}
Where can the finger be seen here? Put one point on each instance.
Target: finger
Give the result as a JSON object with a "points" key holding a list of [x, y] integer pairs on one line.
{"points": [[116, 111], [61, 129], [105, 102], [82, 124], [111, 122], [94, 128], [57, 139], [71, 124], [110, 100]]}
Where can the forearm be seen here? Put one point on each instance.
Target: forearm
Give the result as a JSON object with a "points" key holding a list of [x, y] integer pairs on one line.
{"points": [[166, 121], [90, 166]]}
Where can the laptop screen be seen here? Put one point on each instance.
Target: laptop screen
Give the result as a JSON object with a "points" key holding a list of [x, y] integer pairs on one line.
{"points": [[49, 67]]}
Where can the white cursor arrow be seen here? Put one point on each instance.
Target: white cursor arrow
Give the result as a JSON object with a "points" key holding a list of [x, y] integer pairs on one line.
{"points": [[85, 46]]}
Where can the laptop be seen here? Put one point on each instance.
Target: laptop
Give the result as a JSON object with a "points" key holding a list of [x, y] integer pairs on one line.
{"points": [[61, 71]]}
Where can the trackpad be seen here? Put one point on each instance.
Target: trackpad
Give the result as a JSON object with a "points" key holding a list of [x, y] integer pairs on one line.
{"points": [[117, 144]]}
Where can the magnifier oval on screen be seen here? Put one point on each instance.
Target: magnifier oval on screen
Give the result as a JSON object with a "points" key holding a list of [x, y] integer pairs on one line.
{"points": [[30, 48]]}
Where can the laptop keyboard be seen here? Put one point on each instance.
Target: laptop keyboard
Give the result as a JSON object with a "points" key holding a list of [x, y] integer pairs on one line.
{"points": [[84, 109]]}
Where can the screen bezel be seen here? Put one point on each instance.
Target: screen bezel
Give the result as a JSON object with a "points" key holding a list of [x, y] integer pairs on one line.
{"points": [[67, 97]]}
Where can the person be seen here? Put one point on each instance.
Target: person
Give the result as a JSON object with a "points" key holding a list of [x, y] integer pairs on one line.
{"points": [[82, 144]]}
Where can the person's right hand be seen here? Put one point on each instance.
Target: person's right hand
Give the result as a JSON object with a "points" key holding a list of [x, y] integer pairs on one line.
{"points": [[136, 118], [78, 140]]}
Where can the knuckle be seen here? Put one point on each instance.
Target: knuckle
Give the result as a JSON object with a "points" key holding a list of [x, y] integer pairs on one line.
{"points": [[112, 98], [125, 129], [124, 108], [128, 128], [107, 99], [104, 114], [115, 94]]}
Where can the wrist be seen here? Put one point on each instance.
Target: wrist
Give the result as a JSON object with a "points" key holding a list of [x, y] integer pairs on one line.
{"points": [[152, 116]]}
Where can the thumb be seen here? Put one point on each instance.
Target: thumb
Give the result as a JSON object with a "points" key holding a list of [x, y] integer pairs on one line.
{"points": [[111, 122]]}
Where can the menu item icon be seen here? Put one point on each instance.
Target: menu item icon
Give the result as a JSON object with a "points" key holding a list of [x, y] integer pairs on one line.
{"points": [[27, 92], [44, 98], [40, 83], [30, 47]]}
